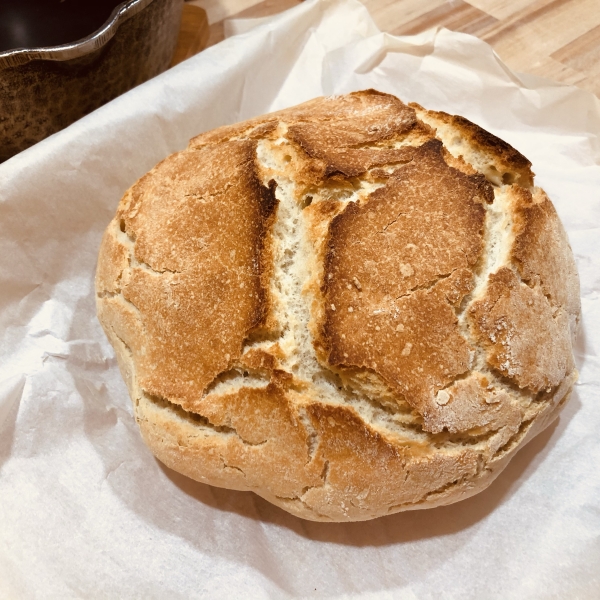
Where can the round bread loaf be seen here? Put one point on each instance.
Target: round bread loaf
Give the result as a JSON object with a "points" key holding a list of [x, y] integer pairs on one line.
{"points": [[352, 307]]}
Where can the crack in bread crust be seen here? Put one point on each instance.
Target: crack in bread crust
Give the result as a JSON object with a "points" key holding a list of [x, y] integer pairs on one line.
{"points": [[326, 306]]}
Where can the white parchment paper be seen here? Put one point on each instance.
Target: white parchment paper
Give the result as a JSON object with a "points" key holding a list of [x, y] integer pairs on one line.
{"points": [[87, 512]]}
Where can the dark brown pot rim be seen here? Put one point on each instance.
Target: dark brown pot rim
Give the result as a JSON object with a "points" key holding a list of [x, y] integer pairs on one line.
{"points": [[94, 41]]}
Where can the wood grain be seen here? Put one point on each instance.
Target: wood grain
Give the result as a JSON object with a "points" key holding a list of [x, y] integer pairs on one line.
{"points": [[457, 16], [193, 34], [557, 39]]}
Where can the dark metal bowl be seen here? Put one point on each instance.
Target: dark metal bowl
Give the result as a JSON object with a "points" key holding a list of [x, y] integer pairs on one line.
{"points": [[42, 90]]}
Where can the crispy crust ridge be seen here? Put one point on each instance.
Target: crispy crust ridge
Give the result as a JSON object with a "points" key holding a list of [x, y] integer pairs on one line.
{"points": [[505, 164]]}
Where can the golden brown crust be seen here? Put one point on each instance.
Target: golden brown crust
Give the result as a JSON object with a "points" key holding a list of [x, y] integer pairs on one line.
{"points": [[334, 132], [388, 474], [115, 261], [541, 251], [380, 257], [251, 439], [338, 130], [472, 405], [334, 309], [262, 359], [481, 139], [415, 345], [252, 129], [515, 323], [197, 293]]}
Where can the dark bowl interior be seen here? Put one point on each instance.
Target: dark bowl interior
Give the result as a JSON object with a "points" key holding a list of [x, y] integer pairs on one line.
{"points": [[42, 23]]}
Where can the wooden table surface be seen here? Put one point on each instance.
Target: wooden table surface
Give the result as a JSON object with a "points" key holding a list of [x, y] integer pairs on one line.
{"points": [[557, 39]]}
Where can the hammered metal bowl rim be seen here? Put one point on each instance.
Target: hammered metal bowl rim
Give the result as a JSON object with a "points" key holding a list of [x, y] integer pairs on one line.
{"points": [[86, 45]]}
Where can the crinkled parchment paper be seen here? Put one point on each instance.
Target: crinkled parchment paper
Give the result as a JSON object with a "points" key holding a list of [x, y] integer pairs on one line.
{"points": [[87, 512]]}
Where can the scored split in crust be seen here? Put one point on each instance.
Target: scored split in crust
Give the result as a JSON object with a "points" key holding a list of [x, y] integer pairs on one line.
{"points": [[351, 307]]}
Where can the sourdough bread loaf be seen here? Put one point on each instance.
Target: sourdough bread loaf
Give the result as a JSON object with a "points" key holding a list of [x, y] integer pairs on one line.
{"points": [[351, 307]]}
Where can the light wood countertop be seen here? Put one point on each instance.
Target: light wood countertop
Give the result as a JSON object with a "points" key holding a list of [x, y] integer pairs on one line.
{"points": [[557, 39]]}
